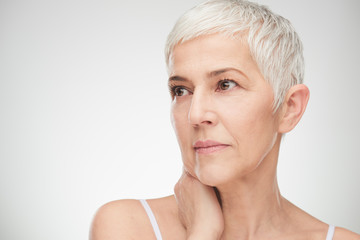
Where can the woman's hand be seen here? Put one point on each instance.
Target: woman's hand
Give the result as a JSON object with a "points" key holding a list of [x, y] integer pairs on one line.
{"points": [[199, 208]]}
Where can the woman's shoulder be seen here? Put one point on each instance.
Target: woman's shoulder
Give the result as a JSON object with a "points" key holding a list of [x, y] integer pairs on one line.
{"points": [[342, 233], [315, 228], [119, 219], [127, 219]]}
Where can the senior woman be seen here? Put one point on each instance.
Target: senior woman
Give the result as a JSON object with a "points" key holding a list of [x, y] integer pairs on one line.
{"points": [[235, 78]]}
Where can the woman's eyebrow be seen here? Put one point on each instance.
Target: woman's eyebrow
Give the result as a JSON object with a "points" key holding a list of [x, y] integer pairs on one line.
{"points": [[223, 70], [210, 74], [177, 78]]}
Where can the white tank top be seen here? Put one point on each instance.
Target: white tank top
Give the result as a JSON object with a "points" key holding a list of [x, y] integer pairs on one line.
{"points": [[155, 226], [152, 219]]}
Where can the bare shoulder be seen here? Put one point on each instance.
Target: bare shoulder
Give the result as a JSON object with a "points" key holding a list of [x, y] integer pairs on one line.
{"points": [[166, 213], [121, 219], [127, 219], [342, 233], [315, 228]]}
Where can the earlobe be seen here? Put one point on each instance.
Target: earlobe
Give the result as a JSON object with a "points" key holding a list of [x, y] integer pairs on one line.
{"points": [[293, 107]]}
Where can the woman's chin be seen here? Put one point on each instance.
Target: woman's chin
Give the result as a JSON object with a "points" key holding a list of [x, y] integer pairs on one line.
{"points": [[213, 177]]}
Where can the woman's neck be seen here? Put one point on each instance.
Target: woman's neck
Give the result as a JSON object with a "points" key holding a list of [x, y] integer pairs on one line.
{"points": [[253, 204]]}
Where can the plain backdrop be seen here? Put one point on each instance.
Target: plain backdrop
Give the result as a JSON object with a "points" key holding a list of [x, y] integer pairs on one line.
{"points": [[84, 111]]}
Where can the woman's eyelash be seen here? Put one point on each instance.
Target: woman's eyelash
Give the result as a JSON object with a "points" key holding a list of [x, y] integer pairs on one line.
{"points": [[174, 88], [222, 85], [226, 84], [226, 80]]}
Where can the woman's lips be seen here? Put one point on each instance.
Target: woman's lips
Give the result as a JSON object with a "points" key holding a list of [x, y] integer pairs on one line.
{"points": [[208, 146]]}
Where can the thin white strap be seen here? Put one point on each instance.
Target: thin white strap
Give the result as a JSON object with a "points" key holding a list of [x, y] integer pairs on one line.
{"points": [[152, 219], [330, 233]]}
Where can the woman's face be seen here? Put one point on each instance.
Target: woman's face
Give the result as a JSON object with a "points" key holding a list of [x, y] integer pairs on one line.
{"points": [[221, 109]]}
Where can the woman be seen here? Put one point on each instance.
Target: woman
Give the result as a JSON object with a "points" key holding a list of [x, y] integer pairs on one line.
{"points": [[235, 77]]}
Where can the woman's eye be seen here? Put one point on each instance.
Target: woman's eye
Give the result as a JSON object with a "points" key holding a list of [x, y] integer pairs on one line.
{"points": [[224, 85], [180, 91]]}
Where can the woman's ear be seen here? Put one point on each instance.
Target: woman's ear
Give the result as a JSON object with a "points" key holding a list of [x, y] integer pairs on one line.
{"points": [[293, 107]]}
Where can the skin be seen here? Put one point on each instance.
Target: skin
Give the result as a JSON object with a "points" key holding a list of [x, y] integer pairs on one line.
{"points": [[219, 94]]}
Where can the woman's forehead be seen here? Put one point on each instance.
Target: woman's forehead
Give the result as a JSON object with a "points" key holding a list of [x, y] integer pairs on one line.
{"points": [[211, 53]]}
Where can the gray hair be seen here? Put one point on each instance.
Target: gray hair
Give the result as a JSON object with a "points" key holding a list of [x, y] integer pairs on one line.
{"points": [[272, 40]]}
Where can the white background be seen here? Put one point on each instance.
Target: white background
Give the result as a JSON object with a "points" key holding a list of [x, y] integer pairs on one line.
{"points": [[84, 111]]}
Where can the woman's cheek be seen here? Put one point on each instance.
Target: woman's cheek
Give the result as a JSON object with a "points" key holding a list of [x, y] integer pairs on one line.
{"points": [[181, 126], [189, 166], [187, 153]]}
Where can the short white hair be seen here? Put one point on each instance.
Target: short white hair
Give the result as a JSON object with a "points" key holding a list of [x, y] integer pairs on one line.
{"points": [[272, 40]]}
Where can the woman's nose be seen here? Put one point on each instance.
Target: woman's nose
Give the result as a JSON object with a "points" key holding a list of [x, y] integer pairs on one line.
{"points": [[202, 111]]}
